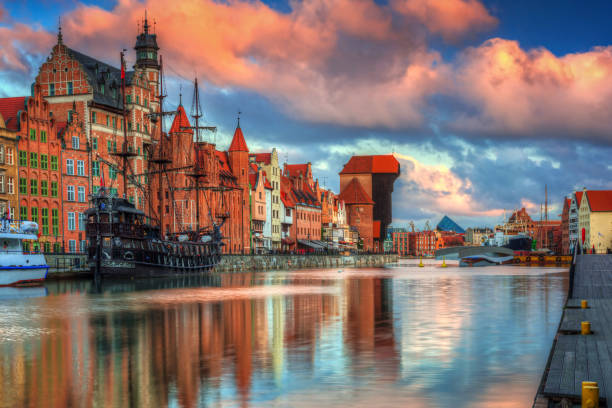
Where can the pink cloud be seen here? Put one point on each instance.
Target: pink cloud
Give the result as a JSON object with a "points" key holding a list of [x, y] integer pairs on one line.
{"points": [[19, 40], [452, 19], [529, 92]]}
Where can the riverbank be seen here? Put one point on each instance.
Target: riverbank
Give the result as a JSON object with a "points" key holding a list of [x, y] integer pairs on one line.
{"points": [[67, 266], [581, 354]]}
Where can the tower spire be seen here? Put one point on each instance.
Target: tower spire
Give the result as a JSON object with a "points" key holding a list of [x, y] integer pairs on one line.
{"points": [[60, 38], [146, 23], [238, 119]]}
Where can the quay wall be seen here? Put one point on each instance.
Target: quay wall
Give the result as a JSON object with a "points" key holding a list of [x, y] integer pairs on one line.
{"points": [[65, 266]]}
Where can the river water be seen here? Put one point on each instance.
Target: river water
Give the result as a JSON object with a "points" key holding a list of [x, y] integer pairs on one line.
{"points": [[397, 337]]}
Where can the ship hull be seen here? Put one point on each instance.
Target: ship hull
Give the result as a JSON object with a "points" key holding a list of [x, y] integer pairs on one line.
{"points": [[174, 267]]}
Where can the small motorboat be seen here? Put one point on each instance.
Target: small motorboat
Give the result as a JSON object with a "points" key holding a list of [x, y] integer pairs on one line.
{"points": [[21, 262]]}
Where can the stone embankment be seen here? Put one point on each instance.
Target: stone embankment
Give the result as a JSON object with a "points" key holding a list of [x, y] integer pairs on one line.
{"points": [[65, 266], [242, 263]]}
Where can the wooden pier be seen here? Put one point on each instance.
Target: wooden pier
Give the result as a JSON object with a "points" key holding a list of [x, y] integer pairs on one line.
{"points": [[577, 357]]}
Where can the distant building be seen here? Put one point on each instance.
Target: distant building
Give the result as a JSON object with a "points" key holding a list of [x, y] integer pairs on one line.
{"points": [[447, 224], [565, 240], [269, 163], [8, 165], [368, 181], [477, 236], [573, 220]]}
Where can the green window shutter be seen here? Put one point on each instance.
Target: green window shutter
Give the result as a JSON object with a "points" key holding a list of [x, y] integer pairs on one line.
{"points": [[23, 186], [44, 188], [23, 213], [95, 169], [43, 136], [23, 159], [34, 187], [34, 211], [94, 143], [44, 212], [32, 134], [54, 189], [33, 160], [54, 163], [55, 221], [44, 161]]}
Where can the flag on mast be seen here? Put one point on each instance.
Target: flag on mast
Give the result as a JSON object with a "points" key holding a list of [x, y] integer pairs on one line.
{"points": [[122, 70]]}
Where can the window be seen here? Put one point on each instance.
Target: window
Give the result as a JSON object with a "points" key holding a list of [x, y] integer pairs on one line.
{"points": [[71, 222], [10, 184], [23, 213], [81, 194], [55, 221], [34, 187], [9, 155], [34, 211], [93, 117], [80, 168], [2, 154], [32, 134], [54, 163], [107, 120], [54, 189], [70, 167], [96, 189], [128, 98], [114, 147], [114, 123], [146, 102], [1, 184], [44, 188], [113, 192], [33, 160], [44, 212], [95, 169], [112, 173], [57, 247], [82, 221], [138, 127], [102, 89], [138, 99], [69, 116], [75, 142], [83, 245], [70, 190], [43, 136], [47, 246], [72, 243], [94, 143], [44, 162], [70, 88], [23, 158], [23, 186], [51, 89], [109, 146]]}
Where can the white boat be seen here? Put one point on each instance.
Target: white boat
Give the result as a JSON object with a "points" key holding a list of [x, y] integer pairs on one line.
{"points": [[17, 266]]}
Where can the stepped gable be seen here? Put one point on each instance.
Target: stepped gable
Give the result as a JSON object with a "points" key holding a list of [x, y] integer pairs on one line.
{"points": [[354, 193], [600, 200], [238, 143], [180, 122], [10, 108], [386, 164], [447, 224], [99, 73]]}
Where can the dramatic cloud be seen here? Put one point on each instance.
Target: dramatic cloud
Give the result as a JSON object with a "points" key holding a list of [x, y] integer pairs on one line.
{"points": [[19, 44], [452, 19], [534, 93]]}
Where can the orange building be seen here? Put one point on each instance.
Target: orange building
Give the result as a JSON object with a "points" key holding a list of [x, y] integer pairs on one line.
{"points": [[258, 183], [375, 175], [303, 191]]}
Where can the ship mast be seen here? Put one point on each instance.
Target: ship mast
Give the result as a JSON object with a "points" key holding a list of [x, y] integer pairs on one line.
{"points": [[124, 154]]}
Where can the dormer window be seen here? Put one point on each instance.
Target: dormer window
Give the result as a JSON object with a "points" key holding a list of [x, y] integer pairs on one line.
{"points": [[102, 89]]}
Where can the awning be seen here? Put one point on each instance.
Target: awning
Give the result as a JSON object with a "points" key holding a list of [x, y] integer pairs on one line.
{"points": [[310, 244]]}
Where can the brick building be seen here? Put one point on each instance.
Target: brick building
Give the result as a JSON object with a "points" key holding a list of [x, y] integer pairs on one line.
{"points": [[269, 163], [565, 241], [375, 175], [8, 166], [257, 181], [359, 212], [307, 212]]}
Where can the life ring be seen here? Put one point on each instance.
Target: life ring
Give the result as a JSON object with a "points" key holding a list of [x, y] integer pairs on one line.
{"points": [[128, 256], [517, 260], [558, 259], [528, 259], [541, 258]]}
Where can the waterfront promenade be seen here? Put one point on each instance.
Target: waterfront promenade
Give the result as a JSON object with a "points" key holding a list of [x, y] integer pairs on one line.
{"points": [[575, 357]]}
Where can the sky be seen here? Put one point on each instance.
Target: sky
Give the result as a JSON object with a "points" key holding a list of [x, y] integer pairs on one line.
{"points": [[484, 103]]}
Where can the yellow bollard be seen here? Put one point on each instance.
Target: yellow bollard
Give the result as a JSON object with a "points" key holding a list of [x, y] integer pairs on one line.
{"points": [[584, 304], [444, 262], [421, 263], [585, 328], [590, 394]]}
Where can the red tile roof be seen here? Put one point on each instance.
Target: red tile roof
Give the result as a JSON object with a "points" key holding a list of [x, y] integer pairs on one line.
{"points": [[354, 193], [266, 181], [180, 121], [600, 200], [265, 158], [9, 108], [294, 170], [287, 200], [238, 142], [371, 164], [578, 198]]}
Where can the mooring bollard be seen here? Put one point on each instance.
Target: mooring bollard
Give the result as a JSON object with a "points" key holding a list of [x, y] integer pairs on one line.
{"points": [[585, 328], [590, 394], [584, 304]]}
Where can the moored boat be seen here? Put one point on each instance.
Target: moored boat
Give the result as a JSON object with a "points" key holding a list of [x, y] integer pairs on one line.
{"points": [[18, 264]]}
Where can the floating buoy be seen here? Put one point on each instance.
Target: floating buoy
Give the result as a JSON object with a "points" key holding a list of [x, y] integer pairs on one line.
{"points": [[444, 262], [421, 263], [340, 271]]}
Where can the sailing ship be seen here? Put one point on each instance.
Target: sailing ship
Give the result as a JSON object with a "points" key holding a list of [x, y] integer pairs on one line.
{"points": [[126, 242]]}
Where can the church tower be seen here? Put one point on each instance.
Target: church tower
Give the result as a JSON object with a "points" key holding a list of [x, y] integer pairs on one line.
{"points": [[147, 61], [238, 155]]}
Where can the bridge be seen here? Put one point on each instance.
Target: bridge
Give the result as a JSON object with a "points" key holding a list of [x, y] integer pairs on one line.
{"points": [[459, 252]]}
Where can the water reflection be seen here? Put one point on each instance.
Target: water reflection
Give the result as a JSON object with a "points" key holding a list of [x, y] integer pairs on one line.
{"points": [[398, 337]]}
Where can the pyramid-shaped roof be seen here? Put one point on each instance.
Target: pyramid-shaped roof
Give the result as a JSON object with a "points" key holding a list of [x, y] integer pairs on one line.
{"points": [[238, 142], [354, 193], [446, 224], [180, 122]]}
